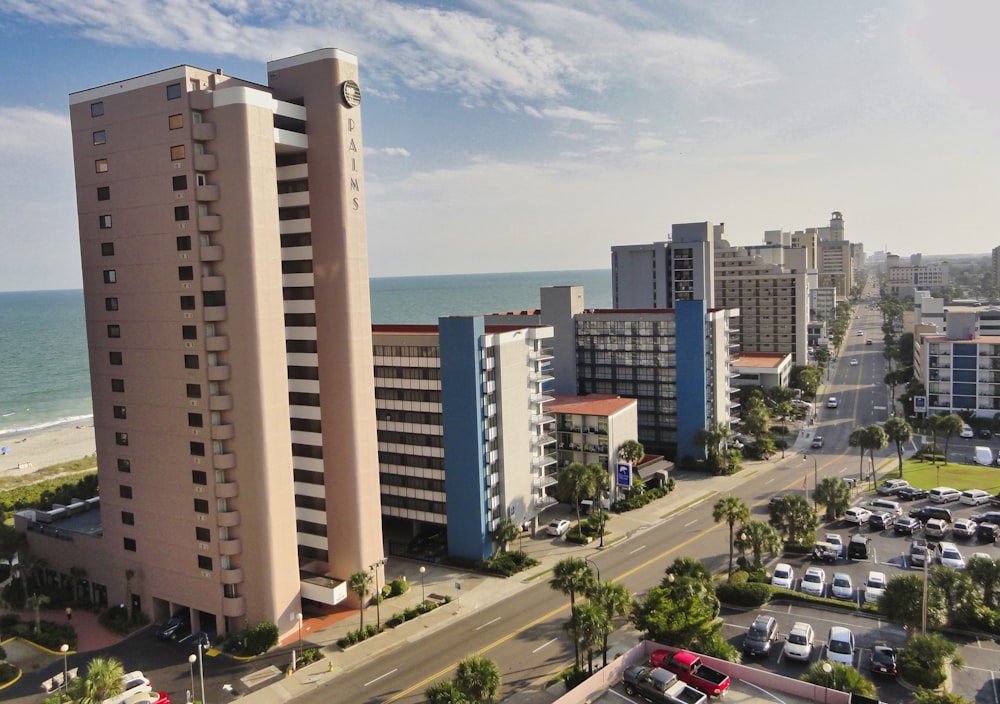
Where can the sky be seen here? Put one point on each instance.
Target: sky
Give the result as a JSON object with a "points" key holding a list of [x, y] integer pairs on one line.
{"points": [[535, 135]]}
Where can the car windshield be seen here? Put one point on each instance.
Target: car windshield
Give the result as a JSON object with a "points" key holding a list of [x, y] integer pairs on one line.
{"points": [[840, 646], [841, 582], [876, 583], [810, 578], [781, 574], [884, 654], [757, 633], [950, 554], [796, 639]]}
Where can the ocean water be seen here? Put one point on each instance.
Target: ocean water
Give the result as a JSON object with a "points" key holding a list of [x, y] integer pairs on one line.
{"points": [[44, 375]]}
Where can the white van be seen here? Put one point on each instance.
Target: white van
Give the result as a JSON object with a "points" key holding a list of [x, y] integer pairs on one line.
{"points": [[983, 456], [944, 495]]}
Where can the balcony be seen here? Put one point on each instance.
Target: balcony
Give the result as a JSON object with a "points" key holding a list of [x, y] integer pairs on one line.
{"points": [[209, 223], [542, 482], [220, 372], [205, 162], [227, 490], [206, 193], [540, 398], [230, 547], [224, 461], [223, 431], [542, 440], [203, 131], [233, 607], [217, 343], [232, 576], [544, 501], [212, 253], [213, 283], [542, 462], [540, 419], [214, 314], [220, 403], [229, 519]]}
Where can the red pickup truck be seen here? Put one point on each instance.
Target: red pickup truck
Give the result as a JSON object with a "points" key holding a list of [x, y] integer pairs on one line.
{"points": [[689, 668]]}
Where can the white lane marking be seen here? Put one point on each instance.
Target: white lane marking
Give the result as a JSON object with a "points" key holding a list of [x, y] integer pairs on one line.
{"points": [[769, 481], [690, 523], [544, 645], [380, 677], [638, 549], [488, 623]]}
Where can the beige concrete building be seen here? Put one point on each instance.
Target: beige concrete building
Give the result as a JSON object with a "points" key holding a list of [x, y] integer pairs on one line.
{"points": [[222, 234]]}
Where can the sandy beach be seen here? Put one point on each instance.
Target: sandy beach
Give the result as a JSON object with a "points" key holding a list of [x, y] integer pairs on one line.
{"points": [[28, 452]]}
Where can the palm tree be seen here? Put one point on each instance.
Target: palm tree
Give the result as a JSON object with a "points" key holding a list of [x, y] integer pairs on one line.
{"points": [[951, 424], [859, 439], [505, 533], [586, 626], [713, 438], [899, 432], [36, 602], [104, 680], [835, 495], [933, 424], [730, 509], [478, 678], [793, 517], [616, 601], [631, 451], [576, 482], [876, 440], [759, 537], [360, 583], [572, 576]]}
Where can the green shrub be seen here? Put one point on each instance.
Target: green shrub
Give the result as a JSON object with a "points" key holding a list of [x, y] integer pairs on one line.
{"points": [[509, 563], [398, 586], [748, 594], [372, 630], [261, 638], [739, 577], [7, 672], [115, 619]]}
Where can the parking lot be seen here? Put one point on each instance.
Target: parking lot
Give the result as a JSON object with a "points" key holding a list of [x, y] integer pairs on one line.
{"points": [[890, 554]]}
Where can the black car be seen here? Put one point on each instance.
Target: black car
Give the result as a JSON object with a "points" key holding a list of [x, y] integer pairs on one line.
{"points": [[988, 517], [986, 433], [173, 629], [911, 493], [987, 532], [924, 513], [883, 660], [860, 547], [907, 526], [881, 521]]}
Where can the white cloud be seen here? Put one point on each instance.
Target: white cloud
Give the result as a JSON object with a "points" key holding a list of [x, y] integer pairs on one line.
{"points": [[387, 151]]}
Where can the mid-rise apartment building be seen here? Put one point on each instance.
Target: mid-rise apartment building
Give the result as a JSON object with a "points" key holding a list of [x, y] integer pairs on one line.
{"points": [[224, 251], [960, 369], [905, 279], [465, 438]]}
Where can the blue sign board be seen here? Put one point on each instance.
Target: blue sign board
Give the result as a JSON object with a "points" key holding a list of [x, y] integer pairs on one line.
{"points": [[624, 474]]}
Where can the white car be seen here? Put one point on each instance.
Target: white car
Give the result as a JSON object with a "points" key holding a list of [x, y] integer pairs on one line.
{"points": [[840, 645], [950, 556], [964, 527], [799, 644], [832, 402], [975, 497], [842, 587], [857, 515], [557, 528], [874, 586], [837, 542], [783, 576], [854, 362], [966, 432], [814, 581]]}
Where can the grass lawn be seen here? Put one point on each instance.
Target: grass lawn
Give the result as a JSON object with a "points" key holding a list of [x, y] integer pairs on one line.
{"points": [[958, 476]]}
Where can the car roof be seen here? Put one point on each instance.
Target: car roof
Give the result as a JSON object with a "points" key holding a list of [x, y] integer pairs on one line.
{"points": [[841, 575], [801, 627], [815, 570], [838, 632]]}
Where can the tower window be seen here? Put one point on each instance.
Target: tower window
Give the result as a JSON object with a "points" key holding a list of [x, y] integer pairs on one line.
{"points": [[175, 122], [101, 166], [100, 137], [177, 152], [110, 276], [181, 213], [104, 222], [107, 249], [173, 91], [104, 193], [180, 183], [97, 109]]}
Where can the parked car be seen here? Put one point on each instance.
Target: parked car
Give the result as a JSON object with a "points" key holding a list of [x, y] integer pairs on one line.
{"points": [[951, 556], [817, 442], [987, 517], [874, 586], [691, 670], [883, 659], [832, 402], [836, 541], [783, 576], [907, 526], [658, 685], [975, 497], [925, 513], [813, 581], [799, 644], [911, 493], [860, 547], [943, 495], [966, 431], [857, 515], [842, 587], [763, 632], [558, 527], [840, 645], [985, 433], [964, 528], [987, 532], [918, 552], [892, 507], [170, 628], [854, 362], [891, 486], [881, 521], [936, 528]]}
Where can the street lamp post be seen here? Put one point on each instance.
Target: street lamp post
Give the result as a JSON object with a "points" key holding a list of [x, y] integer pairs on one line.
{"points": [[201, 671], [423, 598], [298, 617], [595, 567], [805, 457], [378, 592], [191, 658], [64, 649], [827, 668]]}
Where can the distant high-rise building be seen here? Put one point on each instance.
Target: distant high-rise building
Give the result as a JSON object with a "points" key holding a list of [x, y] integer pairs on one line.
{"points": [[222, 235]]}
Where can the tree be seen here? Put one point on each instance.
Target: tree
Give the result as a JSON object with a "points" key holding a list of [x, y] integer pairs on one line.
{"points": [[835, 495], [985, 574], [616, 600], [933, 425], [675, 617], [730, 509], [867, 438], [713, 439], [505, 533], [586, 627], [759, 538], [631, 451], [757, 421], [950, 424], [104, 679], [793, 517], [963, 600], [36, 602], [445, 692], [576, 482], [841, 677], [899, 432], [600, 481], [360, 584], [478, 678], [876, 440], [572, 576], [922, 662], [902, 602]]}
